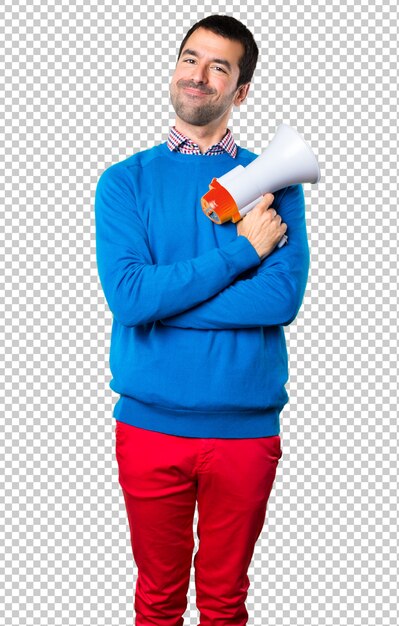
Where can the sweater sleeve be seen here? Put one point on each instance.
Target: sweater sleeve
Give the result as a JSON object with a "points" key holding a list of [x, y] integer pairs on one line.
{"points": [[138, 291], [274, 294]]}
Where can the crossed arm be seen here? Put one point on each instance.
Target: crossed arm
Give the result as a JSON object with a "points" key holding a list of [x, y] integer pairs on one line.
{"points": [[205, 292], [274, 294], [138, 290]]}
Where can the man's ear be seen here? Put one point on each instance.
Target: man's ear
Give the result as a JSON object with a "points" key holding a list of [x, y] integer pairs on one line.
{"points": [[241, 94]]}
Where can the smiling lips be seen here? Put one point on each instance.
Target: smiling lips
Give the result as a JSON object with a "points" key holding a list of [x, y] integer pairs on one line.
{"points": [[195, 92]]}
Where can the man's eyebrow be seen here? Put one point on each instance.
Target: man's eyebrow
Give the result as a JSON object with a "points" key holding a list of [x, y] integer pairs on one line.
{"points": [[195, 54]]}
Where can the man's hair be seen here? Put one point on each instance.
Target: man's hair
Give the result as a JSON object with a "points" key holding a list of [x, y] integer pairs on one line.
{"points": [[230, 28]]}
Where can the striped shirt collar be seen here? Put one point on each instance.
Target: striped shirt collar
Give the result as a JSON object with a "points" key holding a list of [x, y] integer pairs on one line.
{"points": [[180, 143]]}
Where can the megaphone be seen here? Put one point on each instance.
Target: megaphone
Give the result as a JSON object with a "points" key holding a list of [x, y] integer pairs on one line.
{"points": [[287, 160]]}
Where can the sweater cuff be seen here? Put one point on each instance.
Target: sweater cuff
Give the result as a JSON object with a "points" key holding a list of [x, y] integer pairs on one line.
{"points": [[242, 254]]}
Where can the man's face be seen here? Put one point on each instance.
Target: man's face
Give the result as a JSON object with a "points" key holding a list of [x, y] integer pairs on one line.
{"points": [[203, 89]]}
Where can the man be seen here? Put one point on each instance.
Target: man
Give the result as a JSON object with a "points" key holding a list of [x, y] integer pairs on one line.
{"points": [[198, 353]]}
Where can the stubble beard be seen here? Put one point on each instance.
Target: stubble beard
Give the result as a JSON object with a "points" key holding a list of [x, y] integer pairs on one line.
{"points": [[193, 111]]}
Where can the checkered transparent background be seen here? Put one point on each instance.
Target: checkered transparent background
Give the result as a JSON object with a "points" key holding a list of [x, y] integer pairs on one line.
{"points": [[84, 86]]}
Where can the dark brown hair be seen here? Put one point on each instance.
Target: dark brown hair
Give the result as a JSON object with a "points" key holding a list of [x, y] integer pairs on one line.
{"points": [[229, 27]]}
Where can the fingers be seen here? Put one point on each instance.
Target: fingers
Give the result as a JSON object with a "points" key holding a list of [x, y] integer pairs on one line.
{"points": [[265, 203], [268, 196]]}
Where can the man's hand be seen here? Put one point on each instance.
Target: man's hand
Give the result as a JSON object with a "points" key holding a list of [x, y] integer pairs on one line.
{"points": [[262, 226]]}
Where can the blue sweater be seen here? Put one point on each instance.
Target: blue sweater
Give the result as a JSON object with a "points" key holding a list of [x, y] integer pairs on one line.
{"points": [[197, 343]]}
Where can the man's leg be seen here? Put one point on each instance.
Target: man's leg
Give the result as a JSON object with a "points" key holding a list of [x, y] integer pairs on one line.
{"points": [[234, 484], [160, 495]]}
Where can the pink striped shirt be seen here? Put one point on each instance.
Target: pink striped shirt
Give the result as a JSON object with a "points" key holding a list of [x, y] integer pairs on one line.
{"points": [[179, 142]]}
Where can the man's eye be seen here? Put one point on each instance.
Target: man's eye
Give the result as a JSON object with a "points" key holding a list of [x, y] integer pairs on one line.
{"points": [[215, 66]]}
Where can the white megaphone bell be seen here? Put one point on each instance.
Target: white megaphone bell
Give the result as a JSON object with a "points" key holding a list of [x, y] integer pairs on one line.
{"points": [[287, 160]]}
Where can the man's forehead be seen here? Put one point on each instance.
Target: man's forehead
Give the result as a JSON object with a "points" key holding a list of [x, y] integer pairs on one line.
{"points": [[220, 48]]}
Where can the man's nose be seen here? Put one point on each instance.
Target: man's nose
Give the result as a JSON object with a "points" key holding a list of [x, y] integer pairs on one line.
{"points": [[200, 73]]}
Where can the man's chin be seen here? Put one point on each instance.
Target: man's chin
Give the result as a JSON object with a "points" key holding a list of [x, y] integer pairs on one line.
{"points": [[194, 121], [190, 117]]}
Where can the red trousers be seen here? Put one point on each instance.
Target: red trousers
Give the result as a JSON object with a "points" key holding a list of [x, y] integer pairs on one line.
{"points": [[162, 477]]}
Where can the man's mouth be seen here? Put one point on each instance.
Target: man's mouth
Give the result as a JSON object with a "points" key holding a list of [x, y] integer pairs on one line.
{"points": [[195, 92]]}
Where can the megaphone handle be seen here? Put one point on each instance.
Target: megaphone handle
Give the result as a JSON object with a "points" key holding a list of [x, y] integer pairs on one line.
{"points": [[282, 241]]}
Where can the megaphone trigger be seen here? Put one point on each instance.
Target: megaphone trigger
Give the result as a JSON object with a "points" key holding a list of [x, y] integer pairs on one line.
{"points": [[283, 241]]}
